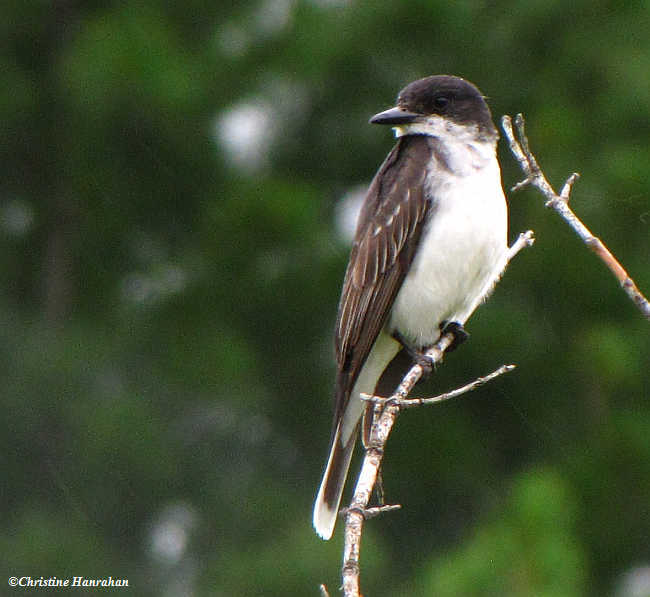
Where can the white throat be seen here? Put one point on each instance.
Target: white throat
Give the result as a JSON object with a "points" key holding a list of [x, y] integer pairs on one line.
{"points": [[437, 126], [462, 144]]}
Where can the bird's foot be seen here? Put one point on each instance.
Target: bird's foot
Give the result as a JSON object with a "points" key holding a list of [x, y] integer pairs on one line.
{"points": [[457, 330], [418, 357]]}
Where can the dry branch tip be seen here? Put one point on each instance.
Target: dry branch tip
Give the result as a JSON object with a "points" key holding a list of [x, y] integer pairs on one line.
{"points": [[534, 176]]}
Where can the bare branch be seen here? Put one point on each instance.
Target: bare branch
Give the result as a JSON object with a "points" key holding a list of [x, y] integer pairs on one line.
{"points": [[411, 402], [524, 240], [369, 513], [355, 513], [377, 510], [568, 185], [560, 203]]}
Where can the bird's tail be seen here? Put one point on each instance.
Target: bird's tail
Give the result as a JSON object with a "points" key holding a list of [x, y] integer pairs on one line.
{"points": [[329, 495]]}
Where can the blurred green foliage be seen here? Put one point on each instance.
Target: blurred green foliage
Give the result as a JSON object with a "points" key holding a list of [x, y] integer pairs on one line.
{"points": [[531, 549], [171, 263]]}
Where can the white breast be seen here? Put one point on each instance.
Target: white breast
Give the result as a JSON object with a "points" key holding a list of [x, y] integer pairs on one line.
{"points": [[462, 248]]}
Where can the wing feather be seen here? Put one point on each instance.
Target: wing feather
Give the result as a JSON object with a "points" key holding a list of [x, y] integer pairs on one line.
{"points": [[388, 231]]}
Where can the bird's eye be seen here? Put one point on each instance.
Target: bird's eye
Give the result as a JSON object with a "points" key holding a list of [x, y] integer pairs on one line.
{"points": [[440, 102]]}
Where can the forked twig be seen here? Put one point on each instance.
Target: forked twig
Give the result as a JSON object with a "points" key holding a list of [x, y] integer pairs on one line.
{"points": [[411, 402], [560, 203], [381, 428]]}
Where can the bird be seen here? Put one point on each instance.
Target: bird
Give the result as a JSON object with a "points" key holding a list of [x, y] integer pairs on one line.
{"points": [[430, 243]]}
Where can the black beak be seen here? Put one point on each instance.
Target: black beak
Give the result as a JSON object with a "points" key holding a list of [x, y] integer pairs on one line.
{"points": [[394, 116]]}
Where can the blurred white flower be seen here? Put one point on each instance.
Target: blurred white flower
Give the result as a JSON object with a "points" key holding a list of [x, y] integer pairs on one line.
{"points": [[170, 533], [635, 583], [347, 212], [245, 133], [16, 217]]}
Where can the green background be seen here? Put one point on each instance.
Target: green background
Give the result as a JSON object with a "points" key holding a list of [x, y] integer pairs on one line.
{"points": [[171, 261]]}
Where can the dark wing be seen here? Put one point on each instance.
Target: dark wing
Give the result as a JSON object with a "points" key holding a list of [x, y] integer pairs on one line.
{"points": [[388, 231]]}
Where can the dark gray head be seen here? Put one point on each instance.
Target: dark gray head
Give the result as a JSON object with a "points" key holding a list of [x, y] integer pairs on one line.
{"points": [[449, 97]]}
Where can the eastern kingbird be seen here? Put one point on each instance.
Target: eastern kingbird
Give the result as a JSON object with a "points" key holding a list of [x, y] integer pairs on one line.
{"points": [[430, 243]]}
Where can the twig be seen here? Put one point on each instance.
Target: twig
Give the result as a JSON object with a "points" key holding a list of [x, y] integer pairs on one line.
{"points": [[525, 239], [411, 402], [560, 203], [377, 510], [355, 513]]}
